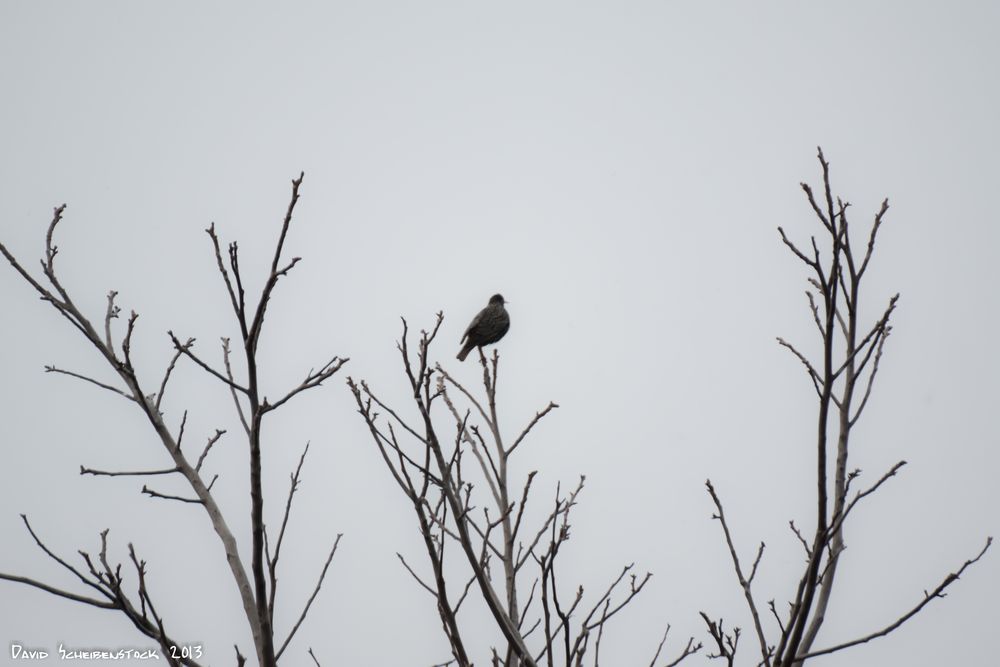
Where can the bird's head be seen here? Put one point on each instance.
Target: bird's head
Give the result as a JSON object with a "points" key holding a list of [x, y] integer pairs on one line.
{"points": [[496, 300]]}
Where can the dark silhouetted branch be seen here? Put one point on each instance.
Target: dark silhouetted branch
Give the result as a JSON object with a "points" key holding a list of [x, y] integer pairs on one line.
{"points": [[305, 610], [137, 473], [936, 593], [156, 494]]}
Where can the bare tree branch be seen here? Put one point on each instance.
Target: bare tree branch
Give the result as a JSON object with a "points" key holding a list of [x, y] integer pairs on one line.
{"points": [[272, 564], [535, 420], [105, 473], [166, 378], [53, 369], [744, 581], [813, 375], [690, 649], [156, 494], [208, 447], [313, 379], [254, 599], [185, 349], [232, 385], [936, 593], [305, 610]]}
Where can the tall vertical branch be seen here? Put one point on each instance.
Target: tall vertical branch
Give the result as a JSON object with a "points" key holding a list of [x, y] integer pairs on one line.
{"points": [[834, 536], [830, 289], [250, 340], [851, 352], [262, 568]]}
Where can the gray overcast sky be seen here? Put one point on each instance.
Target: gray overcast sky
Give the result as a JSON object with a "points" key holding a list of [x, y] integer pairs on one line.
{"points": [[617, 171]]}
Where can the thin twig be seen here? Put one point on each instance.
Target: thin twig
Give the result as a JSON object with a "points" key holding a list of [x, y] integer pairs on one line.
{"points": [[106, 473], [156, 494], [166, 378], [53, 369], [416, 577], [744, 582], [208, 447], [232, 389], [537, 418], [272, 563], [185, 348], [305, 610]]}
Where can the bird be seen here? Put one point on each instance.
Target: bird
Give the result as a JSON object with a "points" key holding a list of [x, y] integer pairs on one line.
{"points": [[486, 328]]}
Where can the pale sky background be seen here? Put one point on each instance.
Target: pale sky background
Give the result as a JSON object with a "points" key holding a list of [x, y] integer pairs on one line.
{"points": [[617, 171]]}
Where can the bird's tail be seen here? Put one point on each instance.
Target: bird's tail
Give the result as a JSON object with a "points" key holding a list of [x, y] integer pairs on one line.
{"points": [[464, 352]]}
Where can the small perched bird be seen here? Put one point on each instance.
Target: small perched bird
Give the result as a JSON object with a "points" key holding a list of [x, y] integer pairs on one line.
{"points": [[487, 327]]}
